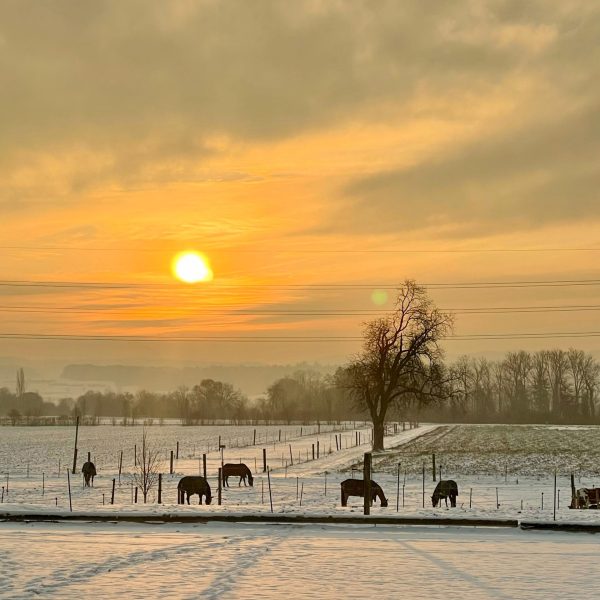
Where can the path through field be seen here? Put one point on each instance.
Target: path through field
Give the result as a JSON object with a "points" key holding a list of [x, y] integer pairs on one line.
{"points": [[275, 561]]}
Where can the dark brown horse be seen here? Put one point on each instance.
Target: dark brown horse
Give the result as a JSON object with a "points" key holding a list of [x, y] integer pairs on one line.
{"points": [[89, 472], [443, 490], [237, 470], [356, 487], [190, 485]]}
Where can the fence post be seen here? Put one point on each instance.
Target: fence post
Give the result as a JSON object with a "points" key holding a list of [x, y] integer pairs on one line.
{"points": [[264, 460], [219, 488], [112, 496], [120, 466], [433, 465], [367, 483], [160, 488], [423, 485], [171, 464], [398, 490], [177, 451], [75, 449], [69, 484], [204, 466], [554, 515], [270, 494]]}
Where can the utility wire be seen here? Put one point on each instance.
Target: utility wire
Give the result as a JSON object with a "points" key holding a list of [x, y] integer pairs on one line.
{"points": [[306, 251], [201, 311], [284, 339], [342, 286]]}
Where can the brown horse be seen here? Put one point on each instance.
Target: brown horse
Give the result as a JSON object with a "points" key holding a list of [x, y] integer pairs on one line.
{"points": [[237, 470], [190, 485], [443, 490], [89, 472], [356, 487]]}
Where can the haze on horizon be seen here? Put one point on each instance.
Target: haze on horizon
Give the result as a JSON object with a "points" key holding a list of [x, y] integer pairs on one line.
{"points": [[317, 153]]}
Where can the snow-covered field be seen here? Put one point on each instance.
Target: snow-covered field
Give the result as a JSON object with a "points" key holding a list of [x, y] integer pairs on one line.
{"points": [[499, 450], [466, 454], [274, 561], [214, 560]]}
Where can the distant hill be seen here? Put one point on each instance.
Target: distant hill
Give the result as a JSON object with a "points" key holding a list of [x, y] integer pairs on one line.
{"points": [[253, 380]]}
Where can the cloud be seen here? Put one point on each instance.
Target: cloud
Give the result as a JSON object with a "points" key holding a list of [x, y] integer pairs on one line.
{"points": [[539, 173], [116, 93], [132, 84]]}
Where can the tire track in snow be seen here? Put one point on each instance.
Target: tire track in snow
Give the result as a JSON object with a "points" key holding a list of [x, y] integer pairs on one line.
{"points": [[446, 568], [8, 566], [67, 576], [225, 582]]}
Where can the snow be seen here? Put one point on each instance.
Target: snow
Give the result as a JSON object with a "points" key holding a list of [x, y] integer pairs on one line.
{"points": [[268, 561], [244, 560]]}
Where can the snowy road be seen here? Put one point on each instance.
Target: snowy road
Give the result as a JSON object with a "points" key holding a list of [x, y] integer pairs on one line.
{"points": [[267, 561]]}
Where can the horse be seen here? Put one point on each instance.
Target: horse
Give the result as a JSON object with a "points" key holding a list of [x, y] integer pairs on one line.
{"points": [[191, 485], [356, 487], [237, 470], [586, 498], [445, 489], [89, 472]]}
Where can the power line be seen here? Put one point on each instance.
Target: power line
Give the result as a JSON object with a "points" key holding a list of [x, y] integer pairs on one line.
{"points": [[307, 250], [201, 311], [284, 339], [341, 286]]}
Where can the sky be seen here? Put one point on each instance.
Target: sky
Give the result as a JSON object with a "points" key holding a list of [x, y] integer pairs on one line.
{"points": [[317, 152]]}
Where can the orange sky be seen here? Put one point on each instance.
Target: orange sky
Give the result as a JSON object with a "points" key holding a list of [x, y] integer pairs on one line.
{"points": [[296, 145]]}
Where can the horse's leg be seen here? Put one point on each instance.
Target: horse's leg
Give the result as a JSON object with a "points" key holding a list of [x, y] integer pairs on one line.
{"points": [[240, 482], [188, 497]]}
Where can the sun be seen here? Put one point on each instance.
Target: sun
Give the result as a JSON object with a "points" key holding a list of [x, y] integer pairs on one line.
{"points": [[191, 267]]}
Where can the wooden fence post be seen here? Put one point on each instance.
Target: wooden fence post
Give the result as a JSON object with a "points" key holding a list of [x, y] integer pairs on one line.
{"points": [[75, 449], [171, 464], [270, 494], [433, 465], [264, 460], [69, 484], [367, 483], [160, 488], [219, 488]]}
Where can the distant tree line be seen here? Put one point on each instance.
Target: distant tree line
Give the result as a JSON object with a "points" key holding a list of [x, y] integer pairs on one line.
{"points": [[302, 396], [555, 386]]}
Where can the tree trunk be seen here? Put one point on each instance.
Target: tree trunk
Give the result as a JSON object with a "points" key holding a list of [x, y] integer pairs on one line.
{"points": [[378, 430]]}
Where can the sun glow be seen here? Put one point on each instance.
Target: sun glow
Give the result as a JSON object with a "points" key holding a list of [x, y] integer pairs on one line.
{"points": [[191, 267]]}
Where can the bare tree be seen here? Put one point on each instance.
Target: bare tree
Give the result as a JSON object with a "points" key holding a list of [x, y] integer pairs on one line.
{"points": [[20, 384], [591, 380], [539, 381], [556, 364], [517, 367], [401, 359], [148, 467], [576, 366]]}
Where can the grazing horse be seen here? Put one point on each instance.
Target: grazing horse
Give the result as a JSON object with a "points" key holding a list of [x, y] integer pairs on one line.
{"points": [[586, 498], [356, 487], [237, 470], [89, 472], [191, 485], [443, 490]]}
